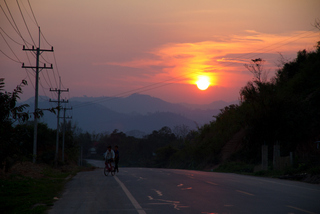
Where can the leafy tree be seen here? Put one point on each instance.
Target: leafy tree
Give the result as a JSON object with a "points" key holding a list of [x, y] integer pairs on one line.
{"points": [[9, 114]]}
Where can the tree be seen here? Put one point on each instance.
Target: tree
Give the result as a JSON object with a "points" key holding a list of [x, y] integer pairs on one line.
{"points": [[181, 131], [9, 114], [256, 68]]}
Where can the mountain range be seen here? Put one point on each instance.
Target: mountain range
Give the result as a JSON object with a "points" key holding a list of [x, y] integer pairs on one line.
{"points": [[136, 114]]}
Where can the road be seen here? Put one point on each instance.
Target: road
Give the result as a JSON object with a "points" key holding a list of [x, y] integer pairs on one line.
{"points": [[148, 190]]}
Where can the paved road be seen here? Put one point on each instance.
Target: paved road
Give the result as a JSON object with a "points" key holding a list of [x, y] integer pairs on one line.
{"points": [[145, 190]]}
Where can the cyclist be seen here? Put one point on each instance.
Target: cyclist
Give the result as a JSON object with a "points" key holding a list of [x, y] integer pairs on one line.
{"points": [[109, 155]]}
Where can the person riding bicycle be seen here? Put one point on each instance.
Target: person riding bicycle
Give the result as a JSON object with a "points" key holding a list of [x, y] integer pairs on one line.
{"points": [[109, 155]]}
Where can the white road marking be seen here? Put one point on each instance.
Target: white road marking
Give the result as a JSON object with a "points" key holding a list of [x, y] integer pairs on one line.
{"points": [[245, 192], [158, 192], [211, 183], [131, 198], [302, 210]]}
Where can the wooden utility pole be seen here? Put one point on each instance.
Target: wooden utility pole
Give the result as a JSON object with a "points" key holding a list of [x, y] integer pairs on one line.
{"points": [[37, 69], [58, 117]]}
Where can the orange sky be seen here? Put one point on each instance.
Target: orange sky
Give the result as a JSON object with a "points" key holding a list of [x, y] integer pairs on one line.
{"points": [[160, 48]]}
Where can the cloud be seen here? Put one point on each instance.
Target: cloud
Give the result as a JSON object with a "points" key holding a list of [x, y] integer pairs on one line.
{"points": [[213, 58]]}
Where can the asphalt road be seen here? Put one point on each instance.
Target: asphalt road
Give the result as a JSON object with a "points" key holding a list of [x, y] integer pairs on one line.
{"points": [[147, 190]]}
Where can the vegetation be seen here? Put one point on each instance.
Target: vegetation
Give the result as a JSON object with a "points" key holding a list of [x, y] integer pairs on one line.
{"points": [[35, 194]]}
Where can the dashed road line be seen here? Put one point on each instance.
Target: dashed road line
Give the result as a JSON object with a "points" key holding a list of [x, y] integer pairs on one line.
{"points": [[302, 210], [245, 192], [212, 183]]}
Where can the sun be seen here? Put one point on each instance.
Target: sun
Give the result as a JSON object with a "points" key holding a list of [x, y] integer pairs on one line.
{"points": [[203, 82]]}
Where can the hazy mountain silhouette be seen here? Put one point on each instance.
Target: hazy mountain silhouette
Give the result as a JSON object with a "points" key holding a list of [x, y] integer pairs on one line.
{"points": [[133, 114]]}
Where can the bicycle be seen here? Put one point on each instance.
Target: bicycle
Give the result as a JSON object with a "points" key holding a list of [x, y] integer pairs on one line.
{"points": [[109, 168]]}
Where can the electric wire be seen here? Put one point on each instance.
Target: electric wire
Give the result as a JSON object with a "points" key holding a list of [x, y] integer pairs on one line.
{"points": [[27, 71], [33, 13], [16, 29], [29, 14], [25, 23], [268, 49], [51, 85], [55, 61], [10, 48], [8, 19], [11, 37], [44, 77], [9, 56], [141, 89]]}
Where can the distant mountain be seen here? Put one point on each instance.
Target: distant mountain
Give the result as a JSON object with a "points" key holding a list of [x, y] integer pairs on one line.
{"points": [[136, 114], [144, 104], [134, 104], [214, 105]]}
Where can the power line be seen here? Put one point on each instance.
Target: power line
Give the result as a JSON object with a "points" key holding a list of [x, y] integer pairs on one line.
{"points": [[9, 20], [10, 47], [29, 14], [45, 39], [56, 64], [141, 89], [34, 15], [10, 37], [16, 29], [9, 56], [29, 78], [25, 23]]}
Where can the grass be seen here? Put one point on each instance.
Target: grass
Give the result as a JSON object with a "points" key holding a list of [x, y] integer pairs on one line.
{"points": [[236, 167], [292, 173], [20, 194]]}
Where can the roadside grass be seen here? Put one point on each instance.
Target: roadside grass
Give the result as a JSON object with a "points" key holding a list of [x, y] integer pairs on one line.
{"points": [[235, 167], [291, 173], [22, 194]]}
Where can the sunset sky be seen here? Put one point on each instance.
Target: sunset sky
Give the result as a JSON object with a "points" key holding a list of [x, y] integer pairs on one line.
{"points": [[155, 47]]}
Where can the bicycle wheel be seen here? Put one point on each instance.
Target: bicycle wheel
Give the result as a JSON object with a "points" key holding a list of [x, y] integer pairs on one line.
{"points": [[106, 171], [112, 171]]}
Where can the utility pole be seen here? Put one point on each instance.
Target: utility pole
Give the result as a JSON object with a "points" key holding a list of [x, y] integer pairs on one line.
{"points": [[37, 68], [64, 129], [58, 117]]}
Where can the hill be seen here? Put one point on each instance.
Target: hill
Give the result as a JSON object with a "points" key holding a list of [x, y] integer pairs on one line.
{"points": [[137, 112]]}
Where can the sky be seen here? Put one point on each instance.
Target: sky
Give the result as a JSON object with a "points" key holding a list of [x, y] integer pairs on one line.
{"points": [[159, 47]]}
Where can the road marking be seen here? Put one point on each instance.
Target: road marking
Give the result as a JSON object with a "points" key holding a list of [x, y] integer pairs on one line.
{"points": [[158, 192], [245, 192], [296, 208], [211, 183], [186, 188], [131, 198]]}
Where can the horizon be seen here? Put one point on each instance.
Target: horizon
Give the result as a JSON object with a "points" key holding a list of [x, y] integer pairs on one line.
{"points": [[158, 48], [41, 98]]}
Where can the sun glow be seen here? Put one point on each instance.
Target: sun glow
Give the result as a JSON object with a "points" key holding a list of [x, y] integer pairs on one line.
{"points": [[203, 82]]}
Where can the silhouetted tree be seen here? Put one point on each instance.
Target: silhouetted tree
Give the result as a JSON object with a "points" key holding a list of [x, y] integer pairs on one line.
{"points": [[9, 114]]}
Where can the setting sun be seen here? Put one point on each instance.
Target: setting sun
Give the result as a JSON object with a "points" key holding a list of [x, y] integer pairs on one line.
{"points": [[203, 83]]}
